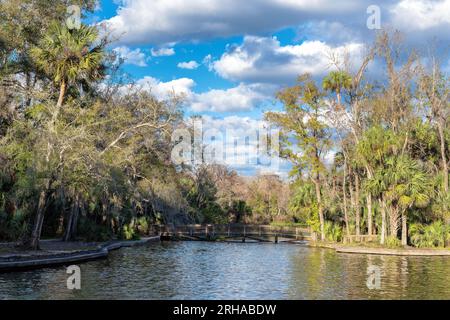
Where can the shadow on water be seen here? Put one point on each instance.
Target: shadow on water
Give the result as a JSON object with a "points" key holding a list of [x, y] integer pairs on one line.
{"points": [[202, 270]]}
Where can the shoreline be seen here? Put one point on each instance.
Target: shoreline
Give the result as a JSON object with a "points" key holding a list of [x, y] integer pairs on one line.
{"points": [[408, 252], [29, 261]]}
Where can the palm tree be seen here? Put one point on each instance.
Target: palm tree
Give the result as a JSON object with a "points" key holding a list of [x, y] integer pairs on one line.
{"points": [[70, 56], [400, 184], [406, 186], [377, 186], [335, 82], [413, 189], [372, 150]]}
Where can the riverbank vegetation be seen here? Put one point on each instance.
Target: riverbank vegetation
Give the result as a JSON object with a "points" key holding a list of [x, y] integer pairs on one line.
{"points": [[80, 157], [390, 138]]}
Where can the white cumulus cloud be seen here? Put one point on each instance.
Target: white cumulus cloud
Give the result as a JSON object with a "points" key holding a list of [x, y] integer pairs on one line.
{"points": [[261, 59], [162, 52], [240, 98], [236, 99], [412, 15], [191, 65], [162, 90], [135, 57]]}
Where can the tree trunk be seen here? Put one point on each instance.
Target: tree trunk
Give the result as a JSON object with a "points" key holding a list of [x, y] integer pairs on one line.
{"points": [[71, 226], [62, 93], [393, 221], [383, 222], [369, 215], [357, 207], [66, 236], [404, 228], [27, 98], [344, 187], [352, 194], [75, 220], [319, 204], [32, 241], [338, 94], [62, 218], [443, 156]]}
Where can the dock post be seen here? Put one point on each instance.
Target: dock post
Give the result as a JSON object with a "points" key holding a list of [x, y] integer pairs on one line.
{"points": [[296, 233], [276, 238], [206, 232], [228, 230]]}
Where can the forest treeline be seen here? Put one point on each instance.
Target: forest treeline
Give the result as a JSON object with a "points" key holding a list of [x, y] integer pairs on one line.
{"points": [[82, 159]]}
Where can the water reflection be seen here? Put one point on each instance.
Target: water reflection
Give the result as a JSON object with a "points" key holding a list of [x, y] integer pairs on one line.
{"points": [[199, 270]]}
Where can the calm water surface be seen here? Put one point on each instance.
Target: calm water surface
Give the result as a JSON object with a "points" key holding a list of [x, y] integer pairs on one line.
{"points": [[202, 270]]}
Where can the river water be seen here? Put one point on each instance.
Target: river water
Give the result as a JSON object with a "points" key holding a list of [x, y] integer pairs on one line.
{"points": [[205, 270]]}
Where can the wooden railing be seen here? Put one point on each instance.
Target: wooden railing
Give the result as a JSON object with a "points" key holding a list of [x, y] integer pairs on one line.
{"points": [[360, 238], [230, 231]]}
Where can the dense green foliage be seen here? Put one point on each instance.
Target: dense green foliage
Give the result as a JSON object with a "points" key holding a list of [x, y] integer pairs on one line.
{"points": [[390, 141], [80, 158]]}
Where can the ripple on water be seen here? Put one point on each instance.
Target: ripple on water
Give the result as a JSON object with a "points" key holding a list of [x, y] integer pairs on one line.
{"points": [[201, 270]]}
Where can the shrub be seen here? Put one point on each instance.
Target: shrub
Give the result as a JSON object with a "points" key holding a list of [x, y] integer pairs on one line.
{"points": [[13, 227], [142, 225], [429, 236], [129, 233], [333, 232], [393, 242]]}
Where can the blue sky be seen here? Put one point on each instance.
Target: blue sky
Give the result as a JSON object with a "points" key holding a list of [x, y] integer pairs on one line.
{"points": [[229, 58]]}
